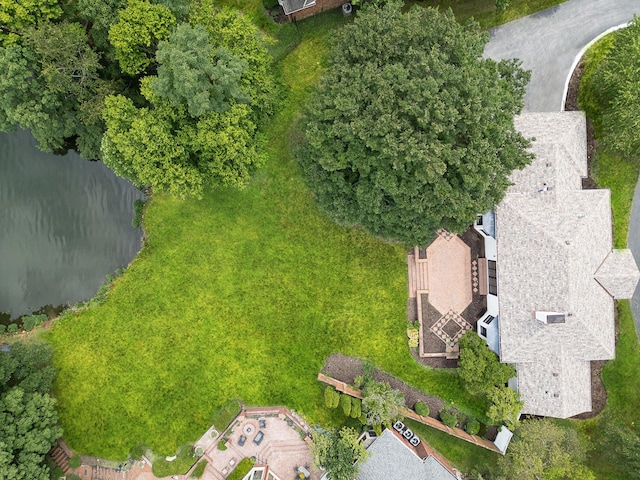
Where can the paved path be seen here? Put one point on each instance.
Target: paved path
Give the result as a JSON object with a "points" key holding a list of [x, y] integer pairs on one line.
{"points": [[549, 42]]}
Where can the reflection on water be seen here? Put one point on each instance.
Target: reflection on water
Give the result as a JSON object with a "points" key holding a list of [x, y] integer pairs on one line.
{"points": [[65, 223]]}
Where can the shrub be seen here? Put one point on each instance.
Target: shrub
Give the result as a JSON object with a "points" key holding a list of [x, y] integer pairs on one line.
{"points": [[138, 208], [269, 4], [345, 401], [181, 465], [242, 469], [377, 429], [413, 337], [358, 382], [3, 328], [74, 462], [199, 470], [32, 321], [12, 328], [449, 418], [137, 452], [223, 417], [421, 409], [356, 407], [472, 427], [363, 419], [331, 397], [222, 445]]}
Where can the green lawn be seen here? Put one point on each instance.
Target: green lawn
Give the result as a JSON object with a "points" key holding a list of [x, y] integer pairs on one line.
{"points": [[484, 11], [243, 295], [240, 295]]}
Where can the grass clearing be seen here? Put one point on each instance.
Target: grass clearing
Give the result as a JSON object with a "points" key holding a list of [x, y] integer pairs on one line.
{"points": [[240, 295], [225, 415], [464, 455], [484, 11]]}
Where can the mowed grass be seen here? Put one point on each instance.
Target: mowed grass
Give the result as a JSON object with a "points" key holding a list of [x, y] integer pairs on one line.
{"points": [[240, 295], [484, 11]]}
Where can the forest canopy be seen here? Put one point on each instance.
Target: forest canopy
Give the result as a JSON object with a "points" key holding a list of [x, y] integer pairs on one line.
{"points": [[167, 96]]}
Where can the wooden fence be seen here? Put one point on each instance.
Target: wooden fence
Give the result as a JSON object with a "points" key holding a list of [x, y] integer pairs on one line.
{"points": [[431, 422]]}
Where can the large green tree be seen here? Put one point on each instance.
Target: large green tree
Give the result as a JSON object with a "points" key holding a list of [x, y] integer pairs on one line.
{"points": [[198, 126], [543, 450], [28, 419], [505, 407], [479, 368], [411, 130], [50, 84], [188, 73], [338, 453]]}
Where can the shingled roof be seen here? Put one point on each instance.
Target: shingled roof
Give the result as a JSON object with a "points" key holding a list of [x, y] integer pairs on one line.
{"points": [[391, 459], [554, 257]]}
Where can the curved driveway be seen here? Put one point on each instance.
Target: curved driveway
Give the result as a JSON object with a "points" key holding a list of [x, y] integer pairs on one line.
{"points": [[548, 43]]}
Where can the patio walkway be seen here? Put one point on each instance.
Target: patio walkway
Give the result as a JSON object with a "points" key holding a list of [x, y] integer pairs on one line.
{"points": [[282, 449], [441, 291]]}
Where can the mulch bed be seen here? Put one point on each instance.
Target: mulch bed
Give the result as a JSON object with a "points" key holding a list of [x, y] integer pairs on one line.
{"points": [[346, 369]]}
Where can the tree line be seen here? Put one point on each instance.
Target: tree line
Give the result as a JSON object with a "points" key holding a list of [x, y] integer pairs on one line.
{"points": [[167, 93]]}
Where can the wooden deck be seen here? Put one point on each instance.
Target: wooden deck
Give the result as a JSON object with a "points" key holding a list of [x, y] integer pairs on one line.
{"points": [[418, 276]]}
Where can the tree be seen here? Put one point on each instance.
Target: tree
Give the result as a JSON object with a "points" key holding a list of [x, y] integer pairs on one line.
{"points": [[28, 419], [616, 83], [239, 36], [16, 15], [198, 127], [188, 74], [505, 408], [413, 131], [541, 449], [164, 147], [479, 368], [338, 453], [136, 35], [381, 403], [623, 444], [50, 84]]}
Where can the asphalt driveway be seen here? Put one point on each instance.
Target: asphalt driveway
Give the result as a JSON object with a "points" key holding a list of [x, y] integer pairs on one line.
{"points": [[549, 42]]}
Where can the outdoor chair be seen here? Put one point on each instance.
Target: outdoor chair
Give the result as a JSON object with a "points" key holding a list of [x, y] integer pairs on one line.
{"points": [[259, 438], [242, 440]]}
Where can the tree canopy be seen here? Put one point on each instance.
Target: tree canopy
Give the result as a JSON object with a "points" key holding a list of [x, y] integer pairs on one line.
{"points": [[28, 419], [411, 130], [381, 404], [50, 84], [338, 453], [135, 36], [16, 15], [542, 450], [479, 368], [616, 83]]}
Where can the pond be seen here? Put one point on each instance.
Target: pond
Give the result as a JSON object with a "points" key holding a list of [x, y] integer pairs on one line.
{"points": [[65, 223]]}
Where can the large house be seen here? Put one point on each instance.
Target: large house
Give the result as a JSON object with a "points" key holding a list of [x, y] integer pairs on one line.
{"points": [[551, 271]]}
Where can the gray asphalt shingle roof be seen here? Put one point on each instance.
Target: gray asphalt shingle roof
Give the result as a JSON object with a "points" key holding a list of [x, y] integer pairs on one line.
{"points": [[391, 459], [552, 238]]}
